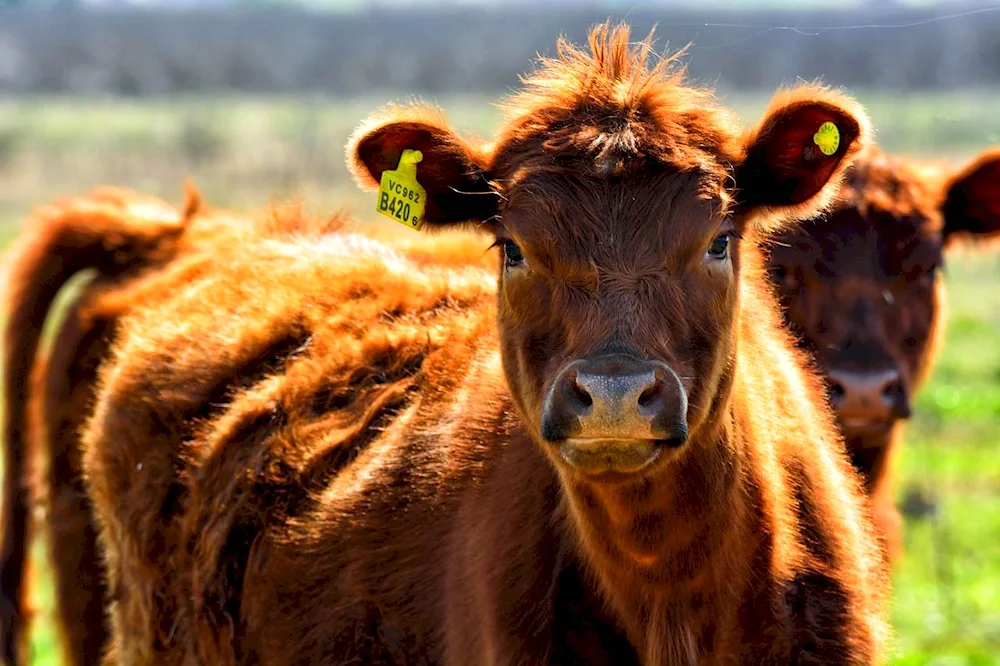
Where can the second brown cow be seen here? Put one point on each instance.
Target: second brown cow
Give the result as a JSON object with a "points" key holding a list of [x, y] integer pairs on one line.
{"points": [[862, 290]]}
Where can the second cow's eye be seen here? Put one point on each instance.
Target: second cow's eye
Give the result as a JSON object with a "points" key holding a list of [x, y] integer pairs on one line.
{"points": [[784, 277], [719, 249], [512, 254]]}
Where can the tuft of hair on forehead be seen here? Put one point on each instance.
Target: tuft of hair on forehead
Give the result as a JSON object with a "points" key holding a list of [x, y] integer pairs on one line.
{"points": [[882, 183], [611, 104]]}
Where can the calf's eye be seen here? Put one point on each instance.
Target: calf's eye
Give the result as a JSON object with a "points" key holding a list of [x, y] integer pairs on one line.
{"points": [[719, 249], [512, 256]]}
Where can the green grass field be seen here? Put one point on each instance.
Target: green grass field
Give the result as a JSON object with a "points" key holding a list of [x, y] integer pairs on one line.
{"points": [[244, 153]]}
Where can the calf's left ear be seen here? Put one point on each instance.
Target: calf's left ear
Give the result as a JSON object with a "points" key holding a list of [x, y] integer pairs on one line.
{"points": [[971, 206], [794, 160]]}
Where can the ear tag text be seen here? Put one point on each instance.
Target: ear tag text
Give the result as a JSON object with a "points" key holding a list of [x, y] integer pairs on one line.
{"points": [[400, 196], [827, 138]]}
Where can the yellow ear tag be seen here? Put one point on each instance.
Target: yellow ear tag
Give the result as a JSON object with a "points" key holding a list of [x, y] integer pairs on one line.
{"points": [[400, 196], [827, 138]]}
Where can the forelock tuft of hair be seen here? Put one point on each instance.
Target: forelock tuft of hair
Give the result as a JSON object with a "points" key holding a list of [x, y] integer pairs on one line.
{"points": [[610, 103], [881, 183]]}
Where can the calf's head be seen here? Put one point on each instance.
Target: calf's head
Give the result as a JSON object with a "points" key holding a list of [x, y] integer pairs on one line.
{"points": [[861, 286], [625, 205]]}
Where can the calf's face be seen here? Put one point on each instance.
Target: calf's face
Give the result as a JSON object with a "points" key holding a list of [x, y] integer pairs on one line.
{"points": [[618, 207], [861, 287], [606, 357]]}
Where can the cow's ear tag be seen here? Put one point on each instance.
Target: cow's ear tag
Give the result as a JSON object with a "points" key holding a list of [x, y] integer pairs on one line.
{"points": [[827, 138], [400, 196]]}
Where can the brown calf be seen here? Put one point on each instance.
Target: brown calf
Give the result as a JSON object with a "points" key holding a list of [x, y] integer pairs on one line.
{"points": [[861, 289], [305, 450]]}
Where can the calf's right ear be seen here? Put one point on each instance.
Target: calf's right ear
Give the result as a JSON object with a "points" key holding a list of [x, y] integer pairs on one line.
{"points": [[453, 172]]}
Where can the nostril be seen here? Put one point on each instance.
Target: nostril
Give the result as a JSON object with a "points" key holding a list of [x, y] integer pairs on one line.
{"points": [[893, 393], [837, 392], [893, 390], [651, 395], [581, 395]]}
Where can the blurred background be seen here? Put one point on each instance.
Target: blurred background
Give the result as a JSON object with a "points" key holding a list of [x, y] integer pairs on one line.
{"points": [[255, 99]]}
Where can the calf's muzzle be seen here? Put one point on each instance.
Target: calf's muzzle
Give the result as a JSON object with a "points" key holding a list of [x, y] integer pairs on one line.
{"points": [[868, 400], [614, 413]]}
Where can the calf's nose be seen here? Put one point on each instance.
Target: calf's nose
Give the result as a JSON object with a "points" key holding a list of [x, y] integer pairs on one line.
{"points": [[868, 396], [616, 397]]}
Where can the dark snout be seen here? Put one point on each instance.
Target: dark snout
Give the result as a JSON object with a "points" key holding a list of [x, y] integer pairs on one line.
{"points": [[868, 400], [614, 413]]}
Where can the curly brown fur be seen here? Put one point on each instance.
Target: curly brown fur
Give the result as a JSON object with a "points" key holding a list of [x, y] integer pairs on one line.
{"points": [[60, 395], [862, 290]]}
